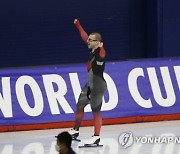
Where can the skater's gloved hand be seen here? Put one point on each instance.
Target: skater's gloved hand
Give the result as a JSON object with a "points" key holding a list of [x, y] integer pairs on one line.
{"points": [[76, 22]]}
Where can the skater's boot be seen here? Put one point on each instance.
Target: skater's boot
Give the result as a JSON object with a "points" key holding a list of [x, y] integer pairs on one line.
{"points": [[93, 140], [74, 133]]}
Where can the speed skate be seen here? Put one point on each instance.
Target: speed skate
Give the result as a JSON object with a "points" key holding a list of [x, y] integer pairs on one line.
{"points": [[74, 133], [90, 145], [76, 139], [93, 142]]}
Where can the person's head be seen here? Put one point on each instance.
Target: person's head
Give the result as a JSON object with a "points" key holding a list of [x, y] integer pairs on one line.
{"points": [[94, 40], [64, 141]]}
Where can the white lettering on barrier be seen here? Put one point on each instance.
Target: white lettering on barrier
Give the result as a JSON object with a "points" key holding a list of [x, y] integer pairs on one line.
{"points": [[53, 97], [133, 87], [56, 97], [5, 98], [171, 99], [177, 73], [113, 94], [23, 102], [75, 85]]}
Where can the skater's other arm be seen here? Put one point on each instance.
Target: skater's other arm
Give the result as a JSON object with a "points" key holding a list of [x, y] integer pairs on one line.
{"points": [[82, 32], [102, 50]]}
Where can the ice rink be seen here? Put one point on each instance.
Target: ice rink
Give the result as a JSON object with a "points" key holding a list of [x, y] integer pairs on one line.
{"points": [[164, 138]]}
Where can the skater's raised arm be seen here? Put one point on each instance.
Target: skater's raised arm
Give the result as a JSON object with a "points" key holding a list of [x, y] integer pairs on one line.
{"points": [[85, 36], [82, 32]]}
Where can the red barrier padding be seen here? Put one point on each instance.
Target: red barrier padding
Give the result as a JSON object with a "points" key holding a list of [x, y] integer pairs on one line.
{"points": [[123, 120]]}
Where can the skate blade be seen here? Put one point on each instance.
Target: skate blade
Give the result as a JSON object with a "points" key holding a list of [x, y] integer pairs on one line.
{"points": [[75, 139], [90, 145]]}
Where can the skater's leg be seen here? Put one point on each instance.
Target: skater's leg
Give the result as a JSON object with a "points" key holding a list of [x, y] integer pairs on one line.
{"points": [[97, 93], [96, 103], [82, 102], [79, 115], [97, 123]]}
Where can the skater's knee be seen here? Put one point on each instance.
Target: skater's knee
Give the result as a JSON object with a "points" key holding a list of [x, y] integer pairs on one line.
{"points": [[80, 107], [81, 104], [96, 108], [83, 100]]}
